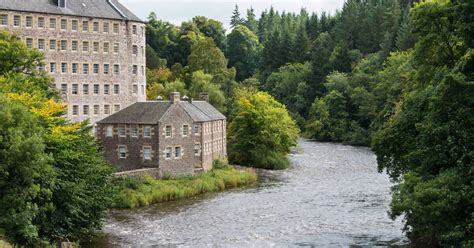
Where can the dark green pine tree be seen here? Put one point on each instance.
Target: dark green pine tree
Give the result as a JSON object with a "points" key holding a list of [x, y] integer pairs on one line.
{"points": [[236, 19], [301, 45], [312, 26], [251, 21]]}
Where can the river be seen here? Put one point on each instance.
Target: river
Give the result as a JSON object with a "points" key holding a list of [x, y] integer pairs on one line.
{"points": [[331, 196]]}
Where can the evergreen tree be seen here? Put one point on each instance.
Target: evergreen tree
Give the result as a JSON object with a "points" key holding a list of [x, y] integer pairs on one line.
{"points": [[235, 19], [251, 21]]}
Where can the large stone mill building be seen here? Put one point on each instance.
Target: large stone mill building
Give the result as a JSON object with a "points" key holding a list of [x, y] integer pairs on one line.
{"points": [[177, 137], [94, 50]]}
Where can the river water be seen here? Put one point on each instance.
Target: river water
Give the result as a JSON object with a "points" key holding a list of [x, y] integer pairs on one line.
{"points": [[331, 196]]}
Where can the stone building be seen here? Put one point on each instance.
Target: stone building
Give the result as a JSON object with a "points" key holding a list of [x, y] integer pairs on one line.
{"points": [[94, 50], [179, 137]]}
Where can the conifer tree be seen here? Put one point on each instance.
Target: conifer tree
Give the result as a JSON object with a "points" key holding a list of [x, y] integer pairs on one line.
{"points": [[236, 19]]}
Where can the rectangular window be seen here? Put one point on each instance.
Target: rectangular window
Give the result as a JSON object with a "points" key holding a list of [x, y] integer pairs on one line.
{"points": [[63, 89], [116, 89], [52, 67], [197, 147], [85, 26], [95, 47], [122, 151], [95, 27], [147, 153], [177, 152], [110, 131], [63, 67], [134, 131], [106, 47], [116, 47], [168, 130], [52, 23], [96, 109], [122, 132], [29, 42], [196, 129], [74, 45], [75, 109], [63, 45], [185, 130], [106, 27], [29, 21], [63, 24], [116, 69], [106, 68], [40, 22], [134, 29], [168, 152], [134, 89], [147, 132], [75, 67], [134, 50], [85, 46], [85, 89], [116, 28], [134, 69], [52, 45], [143, 70], [74, 24], [3, 20], [116, 108], [106, 109], [96, 89], [96, 68], [85, 109], [106, 89], [75, 89], [85, 69]]}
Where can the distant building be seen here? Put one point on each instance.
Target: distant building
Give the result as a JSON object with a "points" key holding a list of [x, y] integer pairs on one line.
{"points": [[94, 50], [178, 136]]}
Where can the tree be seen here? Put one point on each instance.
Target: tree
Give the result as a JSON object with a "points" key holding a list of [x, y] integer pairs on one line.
{"points": [[152, 59], [236, 20], [207, 57], [243, 50], [212, 29], [261, 133], [202, 82], [251, 22]]}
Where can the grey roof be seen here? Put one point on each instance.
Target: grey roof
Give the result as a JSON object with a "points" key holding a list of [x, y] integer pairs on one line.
{"points": [[151, 112], [87, 8]]}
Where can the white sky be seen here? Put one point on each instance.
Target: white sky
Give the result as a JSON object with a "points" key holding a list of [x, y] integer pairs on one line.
{"points": [[176, 11]]}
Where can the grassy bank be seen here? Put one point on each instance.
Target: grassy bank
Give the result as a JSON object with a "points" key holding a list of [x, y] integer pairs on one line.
{"points": [[137, 192]]}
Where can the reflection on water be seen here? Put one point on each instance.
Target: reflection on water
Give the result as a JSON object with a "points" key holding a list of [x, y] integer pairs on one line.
{"points": [[332, 196]]}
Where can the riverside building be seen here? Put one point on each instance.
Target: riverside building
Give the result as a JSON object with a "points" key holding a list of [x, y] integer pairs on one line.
{"points": [[94, 50]]}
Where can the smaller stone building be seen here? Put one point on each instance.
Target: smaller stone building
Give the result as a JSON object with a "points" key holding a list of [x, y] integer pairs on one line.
{"points": [[179, 137]]}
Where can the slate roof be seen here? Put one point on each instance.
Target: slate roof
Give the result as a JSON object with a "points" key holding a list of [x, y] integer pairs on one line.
{"points": [[152, 111], [84, 8]]}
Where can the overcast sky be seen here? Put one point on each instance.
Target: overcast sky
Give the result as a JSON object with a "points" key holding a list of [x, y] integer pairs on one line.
{"points": [[176, 11]]}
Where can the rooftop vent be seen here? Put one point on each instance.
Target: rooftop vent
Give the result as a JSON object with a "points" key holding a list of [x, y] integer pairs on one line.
{"points": [[159, 98]]}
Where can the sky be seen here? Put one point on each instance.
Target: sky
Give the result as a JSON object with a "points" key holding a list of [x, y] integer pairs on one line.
{"points": [[177, 11]]}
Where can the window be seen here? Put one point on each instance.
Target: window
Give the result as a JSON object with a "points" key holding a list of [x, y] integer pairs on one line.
{"points": [[197, 147], [96, 109], [134, 89], [110, 131], [143, 70], [75, 109], [106, 27], [74, 24], [40, 22], [52, 23], [147, 153], [85, 46], [41, 44], [134, 69], [116, 107], [95, 68], [63, 67], [134, 50], [75, 89], [85, 109], [41, 67], [116, 47], [168, 130], [122, 131], [29, 42], [177, 152], [134, 131], [75, 67], [96, 89], [143, 89], [52, 45], [147, 132], [117, 69], [29, 21], [116, 28], [85, 89], [168, 152], [106, 109], [196, 129], [85, 26], [95, 27], [16, 21], [95, 47], [63, 45], [63, 24], [106, 47], [106, 89], [3, 20], [106, 68], [85, 69], [64, 89], [52, 67], [116, 89], [74, 45], [122, 151], [134, 29], [185, 130]]}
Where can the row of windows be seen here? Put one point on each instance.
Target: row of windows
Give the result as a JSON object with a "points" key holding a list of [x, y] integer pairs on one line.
{"points": [[216, 145], [85, 68], [184, 130], [213, 127], [87, 111], [147, 152], [65, 24], [95, 89], [75, 46], [134, 131]]}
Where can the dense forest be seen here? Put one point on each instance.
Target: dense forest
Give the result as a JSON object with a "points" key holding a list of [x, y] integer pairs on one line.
{"points": [[396, 75]]}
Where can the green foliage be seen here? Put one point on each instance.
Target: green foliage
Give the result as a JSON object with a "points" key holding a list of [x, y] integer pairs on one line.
{"points": [[202, 82], [207, 57], [236, 20], [261, 132], [243, 50]]}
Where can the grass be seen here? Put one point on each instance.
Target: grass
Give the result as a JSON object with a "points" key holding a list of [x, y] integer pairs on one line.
{"points": [[4, 244], [137, 192]]}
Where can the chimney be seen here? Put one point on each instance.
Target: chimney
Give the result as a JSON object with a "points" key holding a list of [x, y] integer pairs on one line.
{"points": [[62, 3], [204, 96], [174, 97]]}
